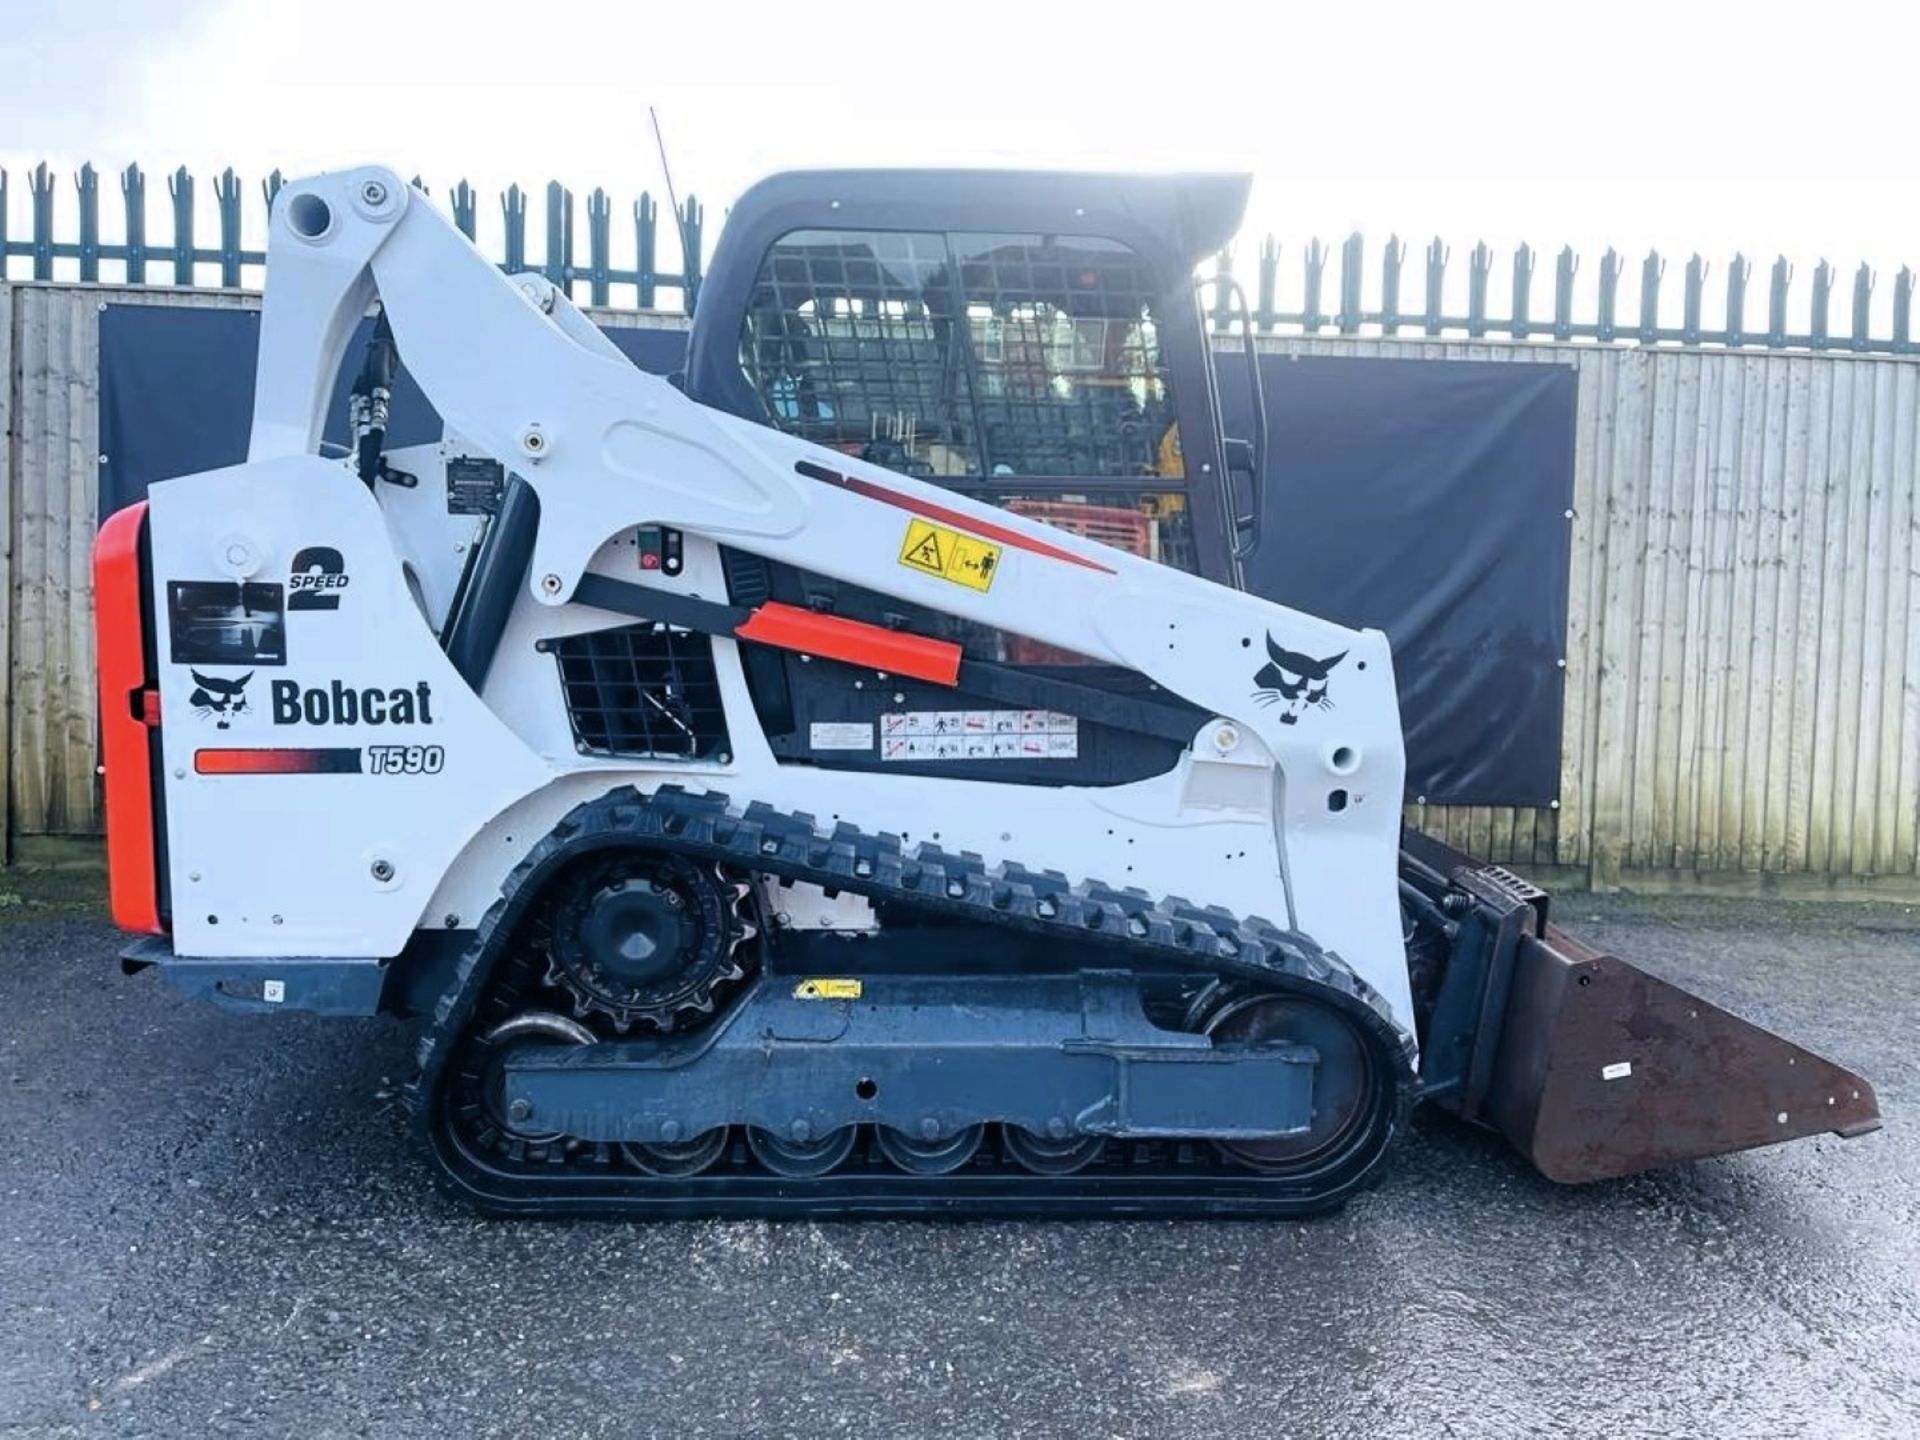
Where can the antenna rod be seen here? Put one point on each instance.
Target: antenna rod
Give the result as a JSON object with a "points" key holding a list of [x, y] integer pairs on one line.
{"points": [[673, 199]]}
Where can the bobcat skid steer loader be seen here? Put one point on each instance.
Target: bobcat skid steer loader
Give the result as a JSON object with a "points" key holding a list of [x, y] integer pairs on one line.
{"points": [[850, 782]]}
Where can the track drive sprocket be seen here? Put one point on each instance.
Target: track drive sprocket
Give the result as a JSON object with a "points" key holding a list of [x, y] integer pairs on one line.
{"points": [[650, 940]]}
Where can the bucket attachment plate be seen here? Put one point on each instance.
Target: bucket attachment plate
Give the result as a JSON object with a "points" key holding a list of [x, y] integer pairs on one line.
{"points": [[1603, 1070]]}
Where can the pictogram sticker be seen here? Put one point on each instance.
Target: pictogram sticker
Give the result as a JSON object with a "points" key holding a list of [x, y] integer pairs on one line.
{"points": [[978, 735], [962, 559], [922, 548]]}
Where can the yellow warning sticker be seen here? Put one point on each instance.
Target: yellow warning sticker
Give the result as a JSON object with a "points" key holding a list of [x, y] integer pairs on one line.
{"points": [[963, 559], [827, 990]]}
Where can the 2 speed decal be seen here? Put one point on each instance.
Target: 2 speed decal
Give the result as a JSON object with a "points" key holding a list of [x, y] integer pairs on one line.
{"points": [[318, 575]]}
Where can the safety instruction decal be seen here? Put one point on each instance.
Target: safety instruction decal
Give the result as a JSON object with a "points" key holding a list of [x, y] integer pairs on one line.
{"points": [[979, 735], [964, 560]]}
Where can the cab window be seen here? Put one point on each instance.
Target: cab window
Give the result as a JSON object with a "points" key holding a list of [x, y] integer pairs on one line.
{"points": [[981, 361]]}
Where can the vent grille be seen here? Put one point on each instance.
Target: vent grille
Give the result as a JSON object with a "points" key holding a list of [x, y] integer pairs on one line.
{"points": [[645, 690]]}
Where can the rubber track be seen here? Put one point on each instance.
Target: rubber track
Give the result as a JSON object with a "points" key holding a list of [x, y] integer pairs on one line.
{"points": [[1130, 924]]}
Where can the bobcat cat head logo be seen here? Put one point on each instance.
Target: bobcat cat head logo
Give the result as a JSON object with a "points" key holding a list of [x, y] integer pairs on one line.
{"points": [[218, 697], [1294, 681]]}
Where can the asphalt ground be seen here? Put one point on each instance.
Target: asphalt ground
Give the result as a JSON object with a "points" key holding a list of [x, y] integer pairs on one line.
{"points": [[215, 1224]]}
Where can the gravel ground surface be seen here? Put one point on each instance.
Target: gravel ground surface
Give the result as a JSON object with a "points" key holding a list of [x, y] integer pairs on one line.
{"points": [[215, 1224]]}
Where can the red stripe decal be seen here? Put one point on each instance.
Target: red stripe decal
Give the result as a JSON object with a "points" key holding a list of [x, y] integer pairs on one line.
{"points": [[833, 637], [344, 760], [984, 528], [126, 736]]}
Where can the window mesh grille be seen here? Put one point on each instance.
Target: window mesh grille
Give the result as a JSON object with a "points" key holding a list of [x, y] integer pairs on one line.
{"points": [[966, 354]]}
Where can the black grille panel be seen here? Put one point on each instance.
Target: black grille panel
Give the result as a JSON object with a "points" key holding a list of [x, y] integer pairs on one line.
{"points": [[645, 691]]}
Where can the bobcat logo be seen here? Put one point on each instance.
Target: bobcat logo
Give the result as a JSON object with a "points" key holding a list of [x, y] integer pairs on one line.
{"points": [[220, 698], [1294, 681]]}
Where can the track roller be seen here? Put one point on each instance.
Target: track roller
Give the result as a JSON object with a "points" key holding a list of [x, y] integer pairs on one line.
{"points": [[929, 1157], [684, 1157], [1043, 1155], [801, 1159]]}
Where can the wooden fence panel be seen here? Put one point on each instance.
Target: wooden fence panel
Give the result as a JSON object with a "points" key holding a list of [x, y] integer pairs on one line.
{"points": [[53, 495], [1743, 653], [8, 446]]}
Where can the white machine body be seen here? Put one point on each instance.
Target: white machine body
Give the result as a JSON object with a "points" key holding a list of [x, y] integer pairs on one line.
{"points": [[358, 790]]}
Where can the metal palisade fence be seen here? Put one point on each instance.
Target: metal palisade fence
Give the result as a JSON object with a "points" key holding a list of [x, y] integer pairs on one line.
{"points": [[1607, 325], [139, 258], [1332, 294]]}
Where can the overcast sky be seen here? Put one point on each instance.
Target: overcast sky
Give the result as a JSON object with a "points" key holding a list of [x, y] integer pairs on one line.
{"points": [[1683, 126]]}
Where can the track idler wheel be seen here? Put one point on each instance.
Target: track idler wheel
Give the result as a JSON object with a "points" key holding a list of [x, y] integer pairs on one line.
{"points": [[801, 1159], [530, 1027], [1348, 1084]]}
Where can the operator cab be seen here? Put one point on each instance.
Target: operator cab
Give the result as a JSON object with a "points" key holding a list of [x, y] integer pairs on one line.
{"points": [[1031, 339]]}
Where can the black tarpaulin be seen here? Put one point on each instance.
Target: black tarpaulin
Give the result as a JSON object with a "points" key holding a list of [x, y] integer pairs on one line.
{"points": [[1430, 499]]}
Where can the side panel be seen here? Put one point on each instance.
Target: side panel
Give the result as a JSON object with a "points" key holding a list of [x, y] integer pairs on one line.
{"points": [[324, 761]]}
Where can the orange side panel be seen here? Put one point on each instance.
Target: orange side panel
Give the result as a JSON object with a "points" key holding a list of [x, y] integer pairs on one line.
{"points": [[126, 732], [833, 637]]}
